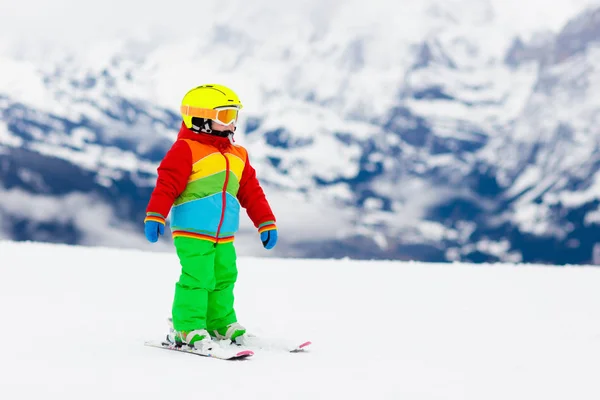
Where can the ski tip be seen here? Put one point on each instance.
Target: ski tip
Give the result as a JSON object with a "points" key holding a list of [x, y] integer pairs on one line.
{"points": [[245, 353], [301, 348]]}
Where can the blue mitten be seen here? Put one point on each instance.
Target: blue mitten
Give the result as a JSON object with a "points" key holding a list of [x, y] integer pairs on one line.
{"points": [[269, 238], [153, 230]]}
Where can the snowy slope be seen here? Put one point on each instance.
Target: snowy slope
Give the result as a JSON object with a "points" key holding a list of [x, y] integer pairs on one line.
{"points": [[465, 130], [75, 320]]}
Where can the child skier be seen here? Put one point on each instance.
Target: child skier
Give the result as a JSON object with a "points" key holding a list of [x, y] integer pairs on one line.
{"points": [[203, 180]]}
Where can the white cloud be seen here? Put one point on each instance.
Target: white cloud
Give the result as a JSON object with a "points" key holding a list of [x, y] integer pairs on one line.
{"points": [[95, 220], [78, 23]]}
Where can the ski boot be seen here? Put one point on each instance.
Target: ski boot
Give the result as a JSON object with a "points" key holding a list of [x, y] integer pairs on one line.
{"points": [[235, 332], [198, 339]]}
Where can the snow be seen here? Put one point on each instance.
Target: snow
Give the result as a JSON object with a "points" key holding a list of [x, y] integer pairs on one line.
{"points": [[76, 319], [7, 138], [526, 180], [592, 217], [93, 157]]}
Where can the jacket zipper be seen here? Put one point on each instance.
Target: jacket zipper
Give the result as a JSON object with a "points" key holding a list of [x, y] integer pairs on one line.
{"points": [[224, 194]]}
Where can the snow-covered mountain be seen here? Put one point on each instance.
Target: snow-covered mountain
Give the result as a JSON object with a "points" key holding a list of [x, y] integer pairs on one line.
{"points": [[453, 133]]}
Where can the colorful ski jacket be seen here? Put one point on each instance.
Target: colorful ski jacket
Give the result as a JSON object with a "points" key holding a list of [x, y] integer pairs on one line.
{"points": [[203, 181]]}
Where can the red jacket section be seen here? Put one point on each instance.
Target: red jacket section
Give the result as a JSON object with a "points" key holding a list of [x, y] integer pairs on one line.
{"points": [[252, 197], [173, 173]]}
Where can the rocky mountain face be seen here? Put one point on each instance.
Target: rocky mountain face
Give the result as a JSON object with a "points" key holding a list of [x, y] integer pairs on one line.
{"points": [[450, 152]]}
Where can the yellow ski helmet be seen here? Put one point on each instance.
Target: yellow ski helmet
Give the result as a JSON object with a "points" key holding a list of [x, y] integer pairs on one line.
{"points": [[214, 102]]}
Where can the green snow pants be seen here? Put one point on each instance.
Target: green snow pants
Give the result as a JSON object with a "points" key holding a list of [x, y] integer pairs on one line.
{"points": [[204, 293]]}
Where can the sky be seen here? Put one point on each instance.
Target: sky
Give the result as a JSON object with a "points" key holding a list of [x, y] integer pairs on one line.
{"points": [[76, 319], [76, 23]]}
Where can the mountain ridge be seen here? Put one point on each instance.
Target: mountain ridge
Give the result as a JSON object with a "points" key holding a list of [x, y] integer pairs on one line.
{"points": [[467, 156]]}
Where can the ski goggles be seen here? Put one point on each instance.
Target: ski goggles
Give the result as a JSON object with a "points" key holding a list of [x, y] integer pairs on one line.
{"points": [[223, 115]]}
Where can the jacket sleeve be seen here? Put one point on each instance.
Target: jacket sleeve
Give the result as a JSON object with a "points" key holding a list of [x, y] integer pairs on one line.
{"points": [[252, 197], [173, 174]]}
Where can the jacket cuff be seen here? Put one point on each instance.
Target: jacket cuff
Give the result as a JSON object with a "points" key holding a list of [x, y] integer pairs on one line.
{"points": [[156, 217], [267, 226]]}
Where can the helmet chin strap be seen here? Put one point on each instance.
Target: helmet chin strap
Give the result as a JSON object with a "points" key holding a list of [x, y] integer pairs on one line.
{"points": [[223, 134], [207, 128], [206, 125]]}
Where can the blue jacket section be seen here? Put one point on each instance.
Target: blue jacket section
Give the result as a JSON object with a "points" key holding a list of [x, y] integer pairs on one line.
{"points": [[203, 215]]}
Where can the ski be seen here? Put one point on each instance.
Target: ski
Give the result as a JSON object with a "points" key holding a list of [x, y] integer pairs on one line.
{"points": [[217, 351], [269, 344], [228, 350]]}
